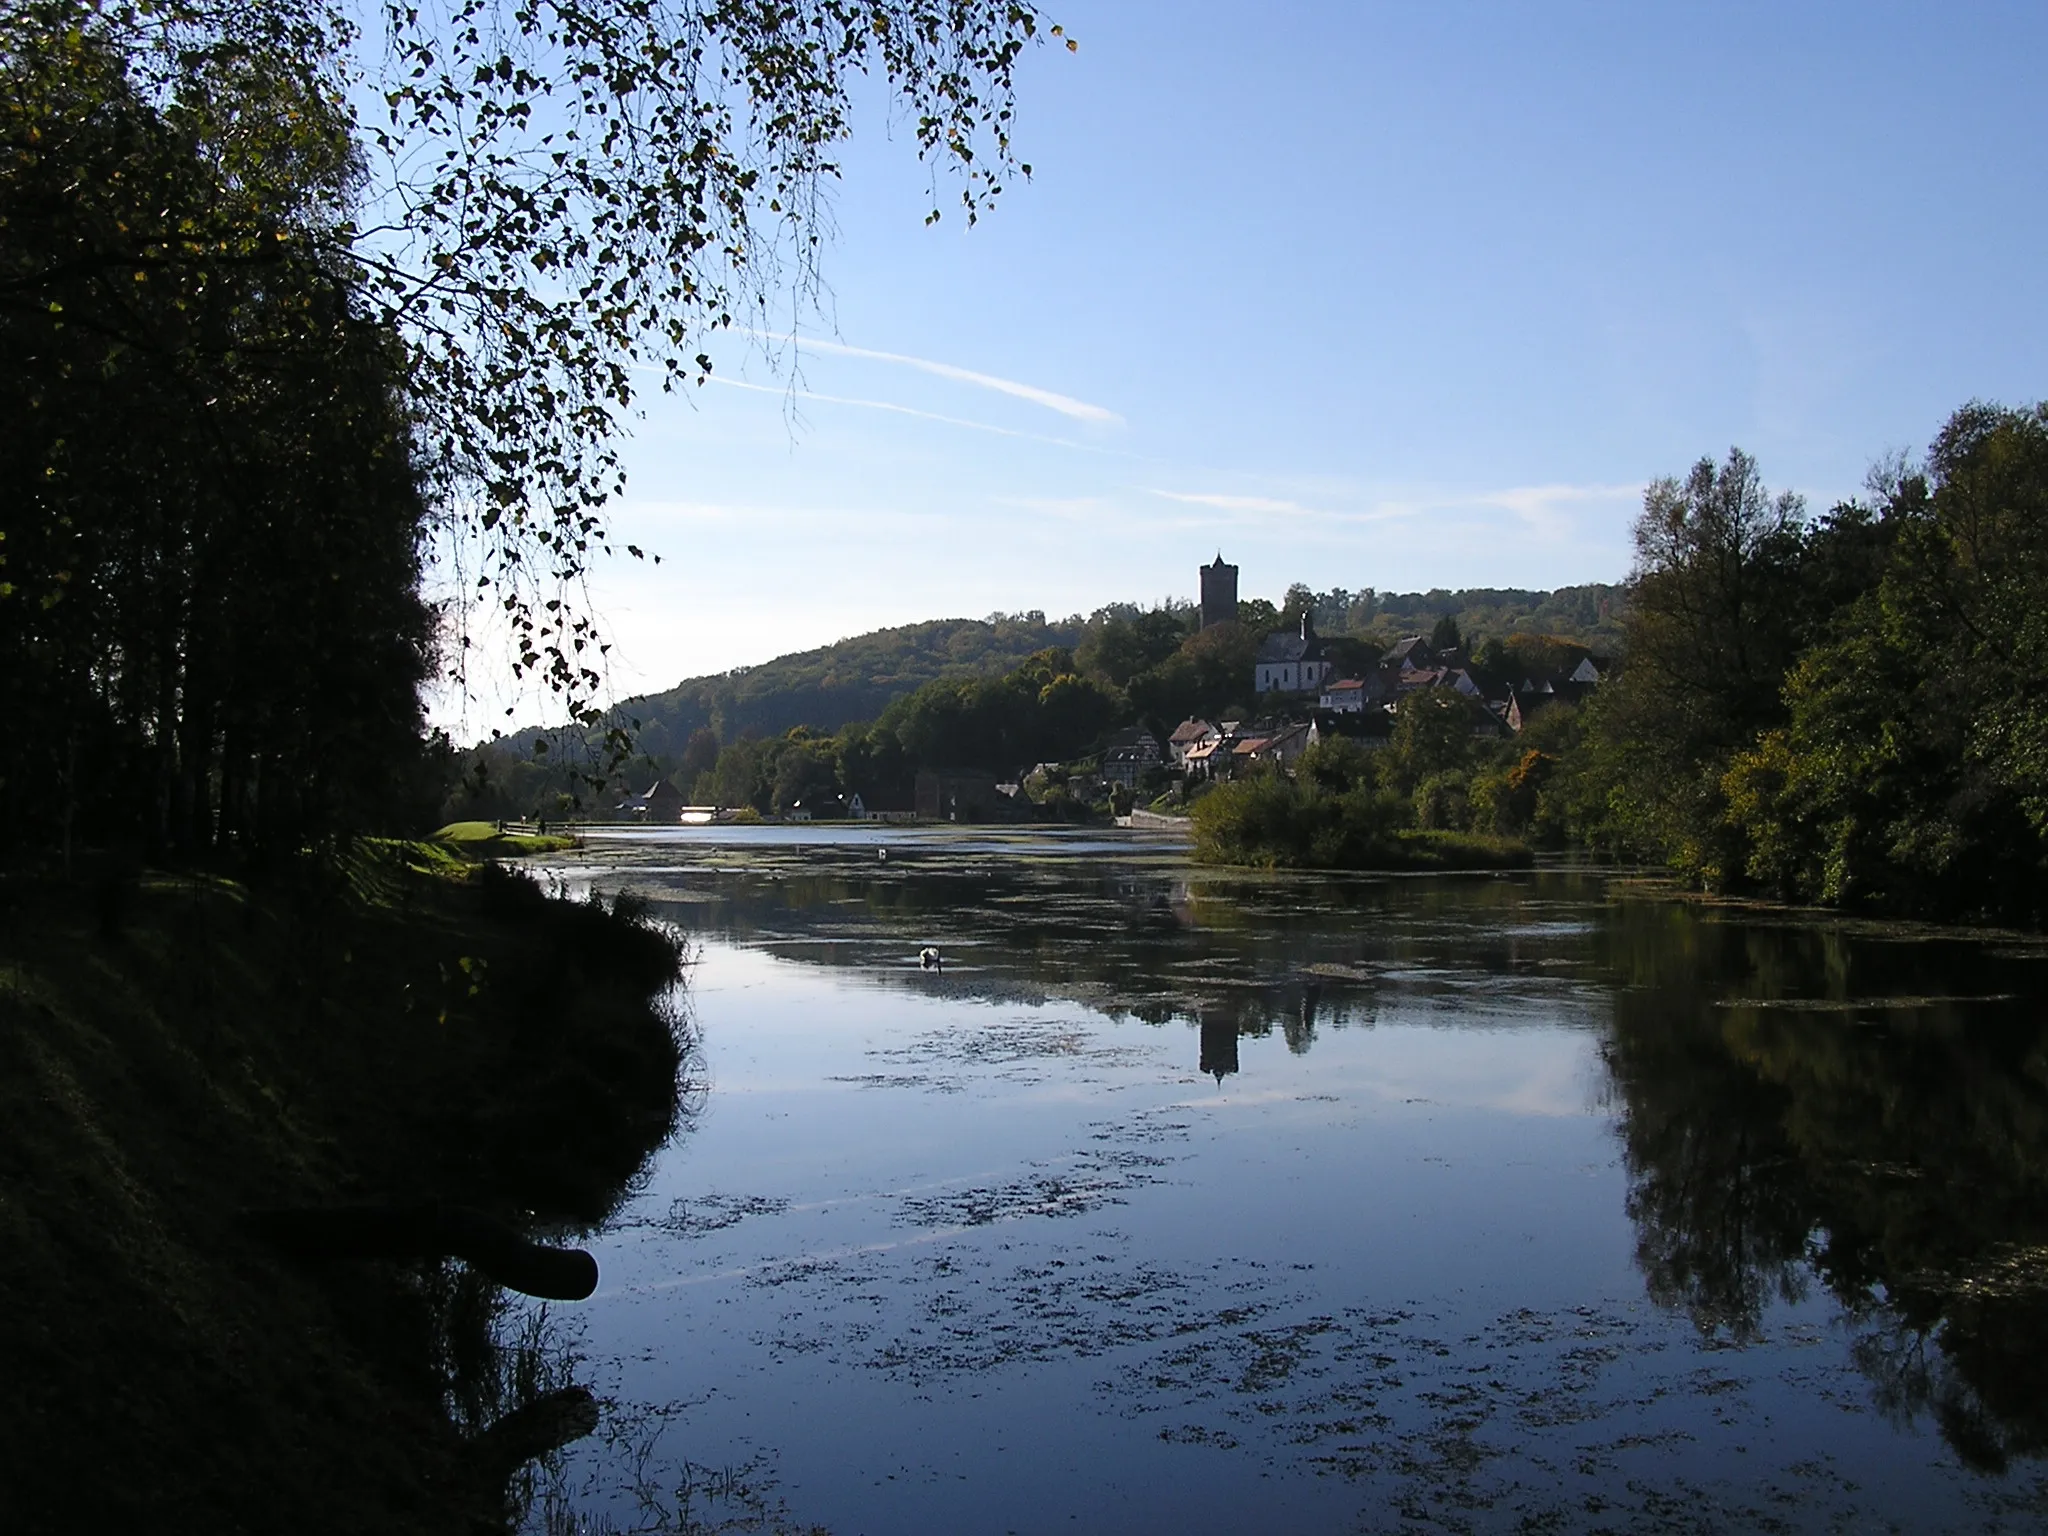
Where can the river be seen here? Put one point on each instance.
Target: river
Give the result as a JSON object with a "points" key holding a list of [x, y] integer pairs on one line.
{"points": [[1189, 1201]]}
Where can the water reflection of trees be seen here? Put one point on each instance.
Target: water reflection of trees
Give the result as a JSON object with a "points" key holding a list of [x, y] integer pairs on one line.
{"points": [[1805, 1107], [1258, 956]]}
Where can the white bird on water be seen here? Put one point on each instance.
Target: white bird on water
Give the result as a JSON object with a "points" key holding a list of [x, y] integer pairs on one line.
{"points": [[928, 957]]}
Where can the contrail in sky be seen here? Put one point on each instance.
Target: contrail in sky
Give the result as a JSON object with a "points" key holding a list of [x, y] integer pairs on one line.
{"points": [[1066, 405]]}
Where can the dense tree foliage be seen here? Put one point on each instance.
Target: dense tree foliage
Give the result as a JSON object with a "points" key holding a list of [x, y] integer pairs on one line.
{"points": [[1124, 642], [1043, 711], [835, 685], [1311, 822], [1848, 711], [1209, 674], [1845, 709], [1911, 769], [285, 305], [540, 205], [1590, 614], [209, 610], [1713, 624]]}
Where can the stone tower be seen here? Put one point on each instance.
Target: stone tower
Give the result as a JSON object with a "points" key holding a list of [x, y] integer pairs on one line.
{"points": [[1219, 593]]}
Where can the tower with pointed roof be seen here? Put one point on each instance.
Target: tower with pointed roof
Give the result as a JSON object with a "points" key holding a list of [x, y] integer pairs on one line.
{"points": [[1219, 593]]}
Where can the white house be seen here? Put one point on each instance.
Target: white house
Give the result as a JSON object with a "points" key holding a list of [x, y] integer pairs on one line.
{"points": [[1346, 697]]}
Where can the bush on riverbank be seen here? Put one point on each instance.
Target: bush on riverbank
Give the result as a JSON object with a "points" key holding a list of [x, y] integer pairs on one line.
{"points": [[1271, 822], [176, 1049]]}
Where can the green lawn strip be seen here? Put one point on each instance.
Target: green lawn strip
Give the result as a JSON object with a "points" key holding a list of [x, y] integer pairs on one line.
{"points": [[483, 840]]}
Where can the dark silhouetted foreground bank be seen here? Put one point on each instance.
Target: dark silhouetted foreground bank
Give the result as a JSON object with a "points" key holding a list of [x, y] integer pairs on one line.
{"points": [[179, 1050]]}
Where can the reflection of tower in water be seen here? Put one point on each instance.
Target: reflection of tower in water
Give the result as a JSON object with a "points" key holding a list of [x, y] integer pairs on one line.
{"points": [[1219, 1045]]}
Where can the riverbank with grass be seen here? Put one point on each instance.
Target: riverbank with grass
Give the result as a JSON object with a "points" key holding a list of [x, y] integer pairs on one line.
{"points": [[493, 840], [396, 1026], [1273, 823]]}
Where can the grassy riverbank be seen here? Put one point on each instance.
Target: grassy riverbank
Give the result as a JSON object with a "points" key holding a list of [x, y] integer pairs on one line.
{"points": [[176, 1049], [486, 840], [1272, 823]]}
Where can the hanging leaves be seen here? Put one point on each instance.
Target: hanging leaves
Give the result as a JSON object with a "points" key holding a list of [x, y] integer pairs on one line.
{"points": [[551, 202]]}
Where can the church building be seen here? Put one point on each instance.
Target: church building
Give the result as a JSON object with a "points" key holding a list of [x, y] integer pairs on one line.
{"points": [[1292, 663]]}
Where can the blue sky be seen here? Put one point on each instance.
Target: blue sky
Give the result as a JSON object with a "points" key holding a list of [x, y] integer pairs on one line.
{"points": [[1389, 295]]}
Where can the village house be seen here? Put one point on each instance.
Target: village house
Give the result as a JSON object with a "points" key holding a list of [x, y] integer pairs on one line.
{"points": [[1188, 734], [1533, 695], [1129, 754], [1278, 742], [959, 797], [1346, 697], [1285, 745], [1200, 759], [1416, 679], [1241, 753], [660, 803], [881, 805], [1409, 655]]}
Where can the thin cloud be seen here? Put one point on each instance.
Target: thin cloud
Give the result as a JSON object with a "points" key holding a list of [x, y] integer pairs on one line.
{"points": [[1231, 503], [1065, 405], [1536, 500], [1252, 509], [723, 519], [1548, 511], [1070, 508], [1546, 508], [899, 410]]}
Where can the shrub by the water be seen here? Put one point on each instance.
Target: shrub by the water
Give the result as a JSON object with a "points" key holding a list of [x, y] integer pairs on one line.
{"points": [[1271, 822]]}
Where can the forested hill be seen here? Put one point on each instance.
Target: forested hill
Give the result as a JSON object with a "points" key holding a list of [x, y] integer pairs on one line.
{"points": [[850, 680], [857, 678], [1590, 614]]}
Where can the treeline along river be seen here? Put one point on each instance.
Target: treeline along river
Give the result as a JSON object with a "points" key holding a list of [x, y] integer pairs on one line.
{"points": [[1173, 1200]]}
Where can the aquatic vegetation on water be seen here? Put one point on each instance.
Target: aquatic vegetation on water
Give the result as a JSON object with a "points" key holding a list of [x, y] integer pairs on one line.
{"points": [[1328, 1202]]}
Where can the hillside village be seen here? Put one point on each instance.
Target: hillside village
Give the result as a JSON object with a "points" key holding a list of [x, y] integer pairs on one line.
{"points": [[1297, 689], [1361, 709]]}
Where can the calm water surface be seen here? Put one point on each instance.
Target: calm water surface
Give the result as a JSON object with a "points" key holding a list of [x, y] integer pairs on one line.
{"points": [[1187, 1202]]}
